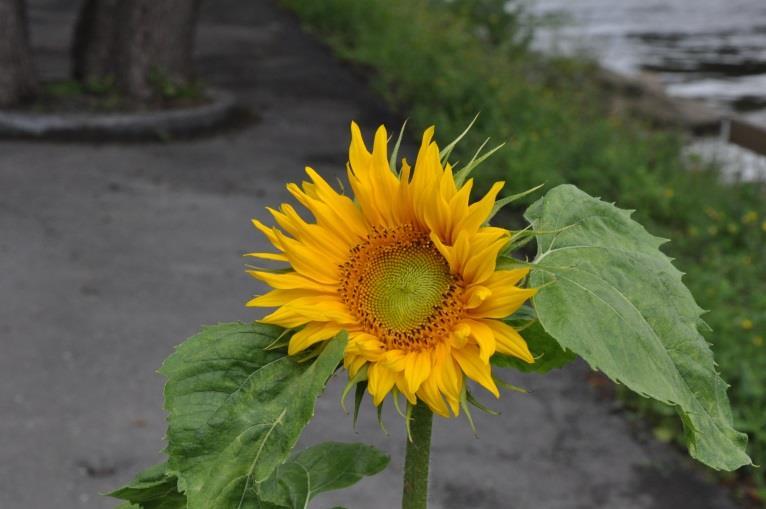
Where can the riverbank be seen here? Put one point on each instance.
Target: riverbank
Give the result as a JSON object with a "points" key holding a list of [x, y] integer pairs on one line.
{"points": [[560, 126], [712, 51]]}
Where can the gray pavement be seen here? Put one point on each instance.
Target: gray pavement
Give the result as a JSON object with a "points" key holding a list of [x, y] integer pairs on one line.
{"points": [[111, 254]]}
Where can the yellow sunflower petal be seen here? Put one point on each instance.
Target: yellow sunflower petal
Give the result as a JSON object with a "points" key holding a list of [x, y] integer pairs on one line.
{"points": [[395, 360], [310, 335], [479, 211], [276, 298], [268, 256], [374, 185], [347, 225], [309, 309], [475, 295], [270, 233], [353, 363], [309, 261], [417, 367], [509, 341], [403, 387], [484, 337], [503, 303], [380, 381], [470, 362], [365, 345], [449, 377], [460, 335], [291, 281], [430, 394]]}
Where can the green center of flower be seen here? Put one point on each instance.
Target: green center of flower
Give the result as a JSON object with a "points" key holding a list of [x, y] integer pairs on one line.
{"points": [[405, 285], [399, 286]]}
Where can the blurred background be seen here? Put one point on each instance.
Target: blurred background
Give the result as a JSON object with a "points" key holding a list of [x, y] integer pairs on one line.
{"points": [[138, 138]]}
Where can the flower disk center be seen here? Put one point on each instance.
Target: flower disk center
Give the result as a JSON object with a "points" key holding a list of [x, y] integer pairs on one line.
{"points": [[406, 283], [400, 288]]}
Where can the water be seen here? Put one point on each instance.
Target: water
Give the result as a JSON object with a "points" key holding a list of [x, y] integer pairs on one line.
{"points": [[710, 50]]}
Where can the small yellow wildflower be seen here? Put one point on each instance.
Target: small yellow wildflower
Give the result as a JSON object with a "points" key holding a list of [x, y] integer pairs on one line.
{"points": [[746, 324], [712, 213]]}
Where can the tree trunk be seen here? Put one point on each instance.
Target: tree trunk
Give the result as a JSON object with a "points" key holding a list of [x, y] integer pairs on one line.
{"points": [[94, 42], [155, 43], [141, 44], [17, 76]]}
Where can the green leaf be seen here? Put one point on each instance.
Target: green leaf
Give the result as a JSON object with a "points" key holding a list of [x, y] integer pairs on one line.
{"points": [[207, 369], [325, 467], [611, 296], [546, 351], [153, 488], [288, 486], [236, 410], [335, 465]]}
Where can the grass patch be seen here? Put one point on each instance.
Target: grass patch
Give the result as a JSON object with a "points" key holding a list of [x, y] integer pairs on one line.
{"points": [[440, 62], [103, 97]]}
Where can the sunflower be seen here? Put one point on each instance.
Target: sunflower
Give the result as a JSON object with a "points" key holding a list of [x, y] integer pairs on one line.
{"points": [[407, 268]]}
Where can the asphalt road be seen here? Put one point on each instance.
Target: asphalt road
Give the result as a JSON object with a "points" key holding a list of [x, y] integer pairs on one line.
{"points": [[110, 254]]}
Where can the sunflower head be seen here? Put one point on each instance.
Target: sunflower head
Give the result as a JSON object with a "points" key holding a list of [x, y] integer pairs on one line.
{"points": [[407, 267]]}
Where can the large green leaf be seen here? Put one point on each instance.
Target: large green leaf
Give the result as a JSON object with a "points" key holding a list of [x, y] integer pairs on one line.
{"points": [[611, 296], [206, 370], [324, 467], [236, 410], [152, 489]]}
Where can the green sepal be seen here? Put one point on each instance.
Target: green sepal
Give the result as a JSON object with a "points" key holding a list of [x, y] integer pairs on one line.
{"points": [[361, 376], [470, 398], [467, 410], [502, 202], [462, 175], [509, 387], [447, 151], [395, 151], [361, 388], [379, 412]]}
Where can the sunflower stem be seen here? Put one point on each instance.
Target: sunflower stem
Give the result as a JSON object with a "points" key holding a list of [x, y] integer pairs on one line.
{"points": [[416, 463]]}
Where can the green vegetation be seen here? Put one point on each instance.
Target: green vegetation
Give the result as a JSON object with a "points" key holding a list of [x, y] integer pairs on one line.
{"points": [[442, 62], [103, 95]]}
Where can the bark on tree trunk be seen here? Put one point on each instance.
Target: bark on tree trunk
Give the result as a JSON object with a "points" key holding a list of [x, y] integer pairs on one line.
{"points": [[140, 43], [155, 42], [17, 76], [94, 41]]}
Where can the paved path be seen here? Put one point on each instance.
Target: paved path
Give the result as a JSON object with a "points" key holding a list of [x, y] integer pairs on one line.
{"points": [[111, 254]]}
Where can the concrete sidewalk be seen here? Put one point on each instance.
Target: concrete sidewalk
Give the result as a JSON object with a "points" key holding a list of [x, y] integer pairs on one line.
{"points": [[112, 254]]}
